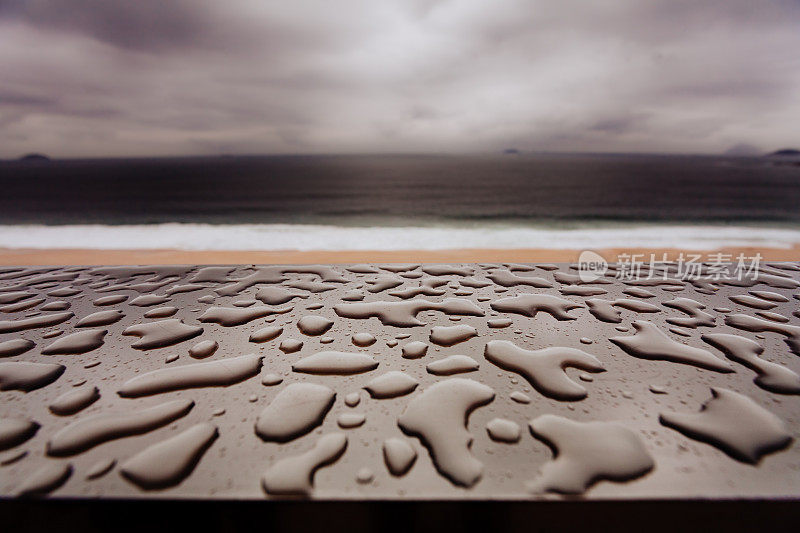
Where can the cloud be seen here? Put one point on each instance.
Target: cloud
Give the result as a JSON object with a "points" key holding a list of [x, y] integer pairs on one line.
{"points": [[91, 77]]}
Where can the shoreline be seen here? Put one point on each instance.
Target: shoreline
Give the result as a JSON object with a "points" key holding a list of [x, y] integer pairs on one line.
{"points": [[285, 238], [70, 256]]}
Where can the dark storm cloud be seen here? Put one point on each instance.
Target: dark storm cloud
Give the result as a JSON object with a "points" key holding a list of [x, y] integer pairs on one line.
{"points": [[619, 124], [25, 100], [100, 77], [142, 24]]}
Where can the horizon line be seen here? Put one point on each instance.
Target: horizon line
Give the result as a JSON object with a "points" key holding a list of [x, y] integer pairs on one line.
{"points": [[517, 152]]}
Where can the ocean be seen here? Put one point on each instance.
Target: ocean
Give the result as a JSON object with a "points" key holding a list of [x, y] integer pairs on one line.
{"points": [[389, 202]]}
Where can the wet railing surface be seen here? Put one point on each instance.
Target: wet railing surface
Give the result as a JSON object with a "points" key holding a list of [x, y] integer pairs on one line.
{"points": [[399, 382]]}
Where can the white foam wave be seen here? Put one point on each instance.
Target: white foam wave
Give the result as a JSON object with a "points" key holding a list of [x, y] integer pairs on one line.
{"points": [[319, 237]]}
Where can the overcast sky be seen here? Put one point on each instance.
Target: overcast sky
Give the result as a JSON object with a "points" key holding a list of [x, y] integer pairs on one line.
{"points": [[160, 77]]}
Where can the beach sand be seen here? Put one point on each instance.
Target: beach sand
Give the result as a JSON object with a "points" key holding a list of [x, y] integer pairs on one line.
{"points": [[128, 257]]}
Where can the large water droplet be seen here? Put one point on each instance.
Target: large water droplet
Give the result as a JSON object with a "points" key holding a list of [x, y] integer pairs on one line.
{"points": [[296, 410], [89, 432], [332, 362], [587, 452], [438, 417], [733, 423], [391, 384], [544, 369], [170, 461], [211, 374], [295, 475]]}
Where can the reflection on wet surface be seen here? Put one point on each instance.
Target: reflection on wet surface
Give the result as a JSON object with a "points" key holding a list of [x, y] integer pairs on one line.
{"points": [[396, 381]]}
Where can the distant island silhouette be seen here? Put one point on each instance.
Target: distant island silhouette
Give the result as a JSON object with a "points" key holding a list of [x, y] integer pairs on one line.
{"points": [[511, 151], [785, 157], [743, 150], [34, 158], [786, 152]]}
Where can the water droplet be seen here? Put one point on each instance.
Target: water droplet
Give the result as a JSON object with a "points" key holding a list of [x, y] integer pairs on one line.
{"points": [[531, 304], [14, 297], [265, 334], [775, 317], [403, 314], [364, 475], [352, 399], [353, 296], [755, 303], [606, 310], [415, 350], [363, 339], [100, 468], [450, 335], [295, 475], [507, 279], [236, 316], [453, 364], [438, 416], [10, 326], [520, 397], [58, 305], [391, 384], [335, 363], [110, 300], [211, 374], [650, 343], [314, 325], [77, 343], [100, 318], [350, 420], [384, 282], [46, 479], [759, 325], [697, 317], [271, 379], [203, 349], [544, 369], [161, 333], [771, 376], [89, 432], [587, 452], [12, 457], [26, 376], [15, 347], [23, 305], [73, 401], [582, 290], [398, 455], [733, 423], [161, 312], [503, 430], [296, 410], [147, 300], [169, 462], [638, 292], [290, 345], [447, 270], [15, 431], [771, 296]]}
